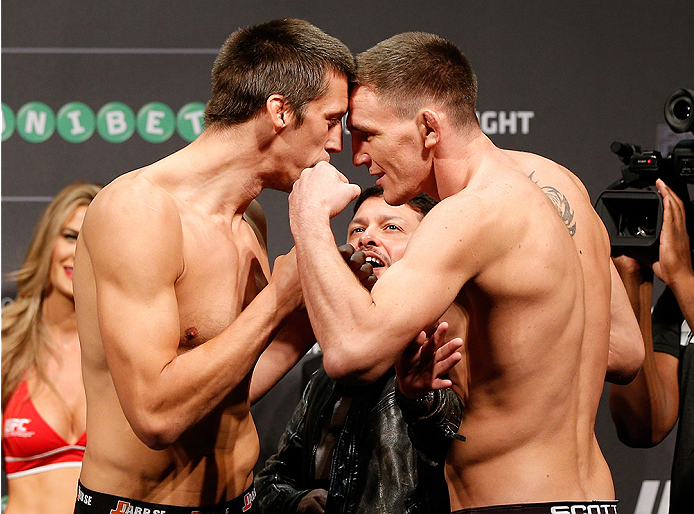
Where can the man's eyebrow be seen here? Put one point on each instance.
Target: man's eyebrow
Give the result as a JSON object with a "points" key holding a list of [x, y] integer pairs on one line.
{"points": [[380, 219], [392, 217], [357, 221], [355, 126]]}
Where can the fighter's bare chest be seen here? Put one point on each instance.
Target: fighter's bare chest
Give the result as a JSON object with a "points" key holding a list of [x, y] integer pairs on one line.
{"points": [[221, 276]]}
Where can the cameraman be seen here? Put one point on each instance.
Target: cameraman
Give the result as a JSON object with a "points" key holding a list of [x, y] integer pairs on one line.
{"points": [[646, 410]]}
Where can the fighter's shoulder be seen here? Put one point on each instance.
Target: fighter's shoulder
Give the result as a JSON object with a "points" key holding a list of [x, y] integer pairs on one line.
{"points": [[548, 173], [531, 159], [136, 226], [129, 208], [460, 203], [130, 196], [460, 217]]}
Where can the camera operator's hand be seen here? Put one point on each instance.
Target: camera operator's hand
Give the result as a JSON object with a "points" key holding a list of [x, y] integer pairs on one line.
{"points": [[674, 261], [674, 266]]}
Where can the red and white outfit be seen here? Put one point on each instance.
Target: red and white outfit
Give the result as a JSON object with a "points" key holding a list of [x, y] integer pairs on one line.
{"points": [[30, 445]]}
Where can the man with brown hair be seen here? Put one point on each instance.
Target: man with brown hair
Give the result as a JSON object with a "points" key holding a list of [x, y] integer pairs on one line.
{"points": [[513, 257], [171, 284]]}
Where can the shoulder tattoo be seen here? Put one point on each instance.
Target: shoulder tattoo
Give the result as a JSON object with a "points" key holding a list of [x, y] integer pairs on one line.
{"points": [[561, 205]]}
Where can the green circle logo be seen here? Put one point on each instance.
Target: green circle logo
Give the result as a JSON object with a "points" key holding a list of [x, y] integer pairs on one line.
{"points": [[35, 122], [190, 120], [76, 122], [8, 122], [115, 122], [156, 122]]}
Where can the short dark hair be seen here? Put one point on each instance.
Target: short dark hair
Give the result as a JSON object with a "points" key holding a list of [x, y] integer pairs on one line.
{"points": [[289, 57], [422, 203], [412, 68]]}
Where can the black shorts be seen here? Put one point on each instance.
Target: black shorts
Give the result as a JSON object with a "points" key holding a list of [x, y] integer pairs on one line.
{"points": [[91, 502], [605, 507]]}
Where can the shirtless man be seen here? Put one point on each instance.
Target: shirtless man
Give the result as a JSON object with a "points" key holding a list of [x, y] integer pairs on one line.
{"points": [[173, 305], [514, 257]]}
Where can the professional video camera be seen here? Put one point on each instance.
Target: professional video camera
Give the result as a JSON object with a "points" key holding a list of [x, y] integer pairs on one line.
{"points": [[632, 208]]}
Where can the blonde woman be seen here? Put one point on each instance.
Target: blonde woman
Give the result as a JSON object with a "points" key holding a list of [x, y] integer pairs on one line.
{"points": [[43, 401]]}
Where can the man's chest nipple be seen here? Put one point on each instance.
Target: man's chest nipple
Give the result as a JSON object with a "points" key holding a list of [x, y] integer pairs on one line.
{"points": [[211, 297]]}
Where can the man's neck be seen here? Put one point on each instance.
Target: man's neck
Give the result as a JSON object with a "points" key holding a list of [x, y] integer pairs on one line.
{"points": [[218, 174], [459, 161]]}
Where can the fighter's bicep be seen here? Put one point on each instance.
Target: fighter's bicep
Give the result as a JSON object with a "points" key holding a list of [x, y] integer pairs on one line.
{"points": [[136, 260], [454, 241], [414, 292], [438, 262], [137, 326]]}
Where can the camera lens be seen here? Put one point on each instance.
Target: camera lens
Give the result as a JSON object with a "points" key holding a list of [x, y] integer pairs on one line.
{"points": [[678, 110], [644, 230], [682, 109], [638, 224]]}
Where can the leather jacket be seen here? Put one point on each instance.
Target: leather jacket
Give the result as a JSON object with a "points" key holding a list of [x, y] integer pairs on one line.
{"points": [[376, 467]]}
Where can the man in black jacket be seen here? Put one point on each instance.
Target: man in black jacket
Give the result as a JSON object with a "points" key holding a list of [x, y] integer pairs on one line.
{"points": [[348, 448]]}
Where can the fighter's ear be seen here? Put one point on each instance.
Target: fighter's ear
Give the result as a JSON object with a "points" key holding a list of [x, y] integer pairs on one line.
{"points": [[429, 124], [278, 109]]}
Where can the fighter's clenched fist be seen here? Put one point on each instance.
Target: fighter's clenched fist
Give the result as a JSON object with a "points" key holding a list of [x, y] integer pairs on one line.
{"points": [[320, 191]]}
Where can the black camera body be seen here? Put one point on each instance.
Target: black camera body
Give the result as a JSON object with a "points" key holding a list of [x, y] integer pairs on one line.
{"points": [[632, 208]]}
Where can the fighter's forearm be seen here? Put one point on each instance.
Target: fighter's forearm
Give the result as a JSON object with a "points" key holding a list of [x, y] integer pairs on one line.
{"points": [[161, 406], [340, 308], [291, 343]]}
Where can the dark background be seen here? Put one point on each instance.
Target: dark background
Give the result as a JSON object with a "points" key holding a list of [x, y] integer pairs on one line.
{"points": [[589, 73]]}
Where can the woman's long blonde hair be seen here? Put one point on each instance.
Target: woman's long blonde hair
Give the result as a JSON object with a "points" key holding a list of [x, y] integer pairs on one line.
{"points": [[25, 345]]}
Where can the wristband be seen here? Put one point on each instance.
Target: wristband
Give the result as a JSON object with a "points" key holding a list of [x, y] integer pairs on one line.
{"points": [[421, 406]]}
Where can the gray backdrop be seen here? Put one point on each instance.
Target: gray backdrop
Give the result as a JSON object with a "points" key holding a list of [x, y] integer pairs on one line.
{"points": [[562, 79]]}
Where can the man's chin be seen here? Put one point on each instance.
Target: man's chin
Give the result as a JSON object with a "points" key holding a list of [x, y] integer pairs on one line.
{"points": [[396, 200], [398, 196]]}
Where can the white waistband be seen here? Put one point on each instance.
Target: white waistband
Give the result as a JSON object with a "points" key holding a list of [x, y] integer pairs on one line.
{"points": [[45, 454], [42, 469]]}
